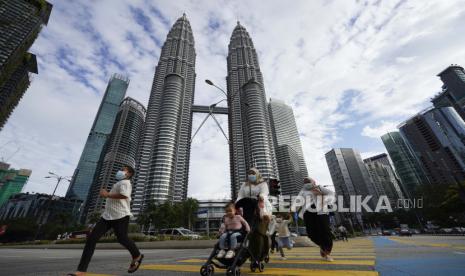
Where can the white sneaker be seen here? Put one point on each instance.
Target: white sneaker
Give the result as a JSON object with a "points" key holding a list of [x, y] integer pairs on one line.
{"points": [[328, 258], [229, 254], [283, 258], [220, 254]]}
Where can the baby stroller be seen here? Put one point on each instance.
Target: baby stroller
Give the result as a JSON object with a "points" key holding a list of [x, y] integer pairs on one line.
{"points": [[253, 245]]}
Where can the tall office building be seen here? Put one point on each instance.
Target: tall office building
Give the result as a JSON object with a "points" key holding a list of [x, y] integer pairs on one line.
{"points": [[285, 133], [406, 165], [21, 22], [383, 177], [163, 170], [251, 142], [350, 177], [11, 181], [84, 174], [290, 174], [436, 137], [453, 89], [120, 150]]}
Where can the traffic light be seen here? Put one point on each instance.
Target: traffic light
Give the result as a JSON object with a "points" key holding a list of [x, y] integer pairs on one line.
{"points": [[275, 187]]}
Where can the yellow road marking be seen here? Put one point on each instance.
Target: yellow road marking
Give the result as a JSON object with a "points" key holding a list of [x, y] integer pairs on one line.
{"points": [[338, 256], [336, 262], [270, 271], [421, 243]]}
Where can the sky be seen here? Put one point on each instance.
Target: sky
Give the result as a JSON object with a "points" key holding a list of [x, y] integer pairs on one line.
{"points": [[351, 70]]}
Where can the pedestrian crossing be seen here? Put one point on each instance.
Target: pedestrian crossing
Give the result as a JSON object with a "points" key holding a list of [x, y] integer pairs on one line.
{"points": [[356, 257]]}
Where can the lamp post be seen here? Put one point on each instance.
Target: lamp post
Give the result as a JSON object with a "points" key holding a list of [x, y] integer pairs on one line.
{"points": [[47, 206]]}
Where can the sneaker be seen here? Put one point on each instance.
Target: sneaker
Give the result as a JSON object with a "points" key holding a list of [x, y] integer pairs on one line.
{"points": [[220, 254], [229, 255], [328, 258], [283, 258]]}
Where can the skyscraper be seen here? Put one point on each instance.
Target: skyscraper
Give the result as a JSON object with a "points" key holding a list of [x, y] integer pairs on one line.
{"points": [[383, 177], [290, 174], [285, 133], [436, 137], [350, 178], [163, 170], [120, 150], [84, 174], [251, 142], [21, 22], [407, 167], [453, 89]]}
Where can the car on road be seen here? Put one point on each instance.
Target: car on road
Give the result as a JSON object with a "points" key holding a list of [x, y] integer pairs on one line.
{"points": [[405, 232], [387, 232], [179, 232]]}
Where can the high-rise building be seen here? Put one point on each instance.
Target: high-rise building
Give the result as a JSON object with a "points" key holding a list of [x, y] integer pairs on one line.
{"points": [[383, 177], [11, 181], [163, 170], [350, 177], [290, 174], [21, 22], [84, 174], [120, 150], [437, 137], [453, 89], [285, 133], [251, 142], [406, 165]]}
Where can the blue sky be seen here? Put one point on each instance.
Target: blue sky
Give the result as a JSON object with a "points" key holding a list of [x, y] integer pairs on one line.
{"points": [[351, 70]]}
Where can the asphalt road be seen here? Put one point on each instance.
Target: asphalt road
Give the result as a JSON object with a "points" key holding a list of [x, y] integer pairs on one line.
{"points": [[418, 255]]}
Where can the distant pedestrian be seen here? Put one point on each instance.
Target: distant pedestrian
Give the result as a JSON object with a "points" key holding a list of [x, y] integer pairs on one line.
{"points": [[316, 218], [116, 216], [343, 232]]}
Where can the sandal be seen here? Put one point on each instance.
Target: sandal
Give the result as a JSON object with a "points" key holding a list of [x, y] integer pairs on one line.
{"points": [[135, 264]]}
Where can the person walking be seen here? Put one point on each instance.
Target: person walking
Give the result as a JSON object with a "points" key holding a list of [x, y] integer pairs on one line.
{"points": [[315, 216], [115, 216], [272, 233], [284, 235], [343, 232]]}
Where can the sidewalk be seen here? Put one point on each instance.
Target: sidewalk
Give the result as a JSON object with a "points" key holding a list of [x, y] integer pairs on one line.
{"points": [[187, 244]]}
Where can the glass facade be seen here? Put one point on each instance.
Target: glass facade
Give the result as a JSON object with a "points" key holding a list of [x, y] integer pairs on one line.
{"points": [[405, 164], [83, 177]]}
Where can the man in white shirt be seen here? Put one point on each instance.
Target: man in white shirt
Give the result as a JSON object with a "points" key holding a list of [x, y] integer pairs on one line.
{"points": [[116, 216]]}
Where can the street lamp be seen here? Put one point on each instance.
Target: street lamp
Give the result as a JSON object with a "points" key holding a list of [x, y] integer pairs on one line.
{"points": [[47, 206], [209, 82]]}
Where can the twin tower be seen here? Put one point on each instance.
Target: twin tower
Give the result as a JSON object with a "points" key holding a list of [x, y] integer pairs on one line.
{"points": [[164, 151]]}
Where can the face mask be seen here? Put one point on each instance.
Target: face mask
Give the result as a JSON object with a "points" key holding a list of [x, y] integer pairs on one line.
{"points": [[252, 178], [120, 175], [308, 186]]}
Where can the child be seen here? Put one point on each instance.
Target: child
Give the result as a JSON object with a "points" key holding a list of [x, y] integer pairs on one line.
{"points": [[284, 239], [230, 227]]}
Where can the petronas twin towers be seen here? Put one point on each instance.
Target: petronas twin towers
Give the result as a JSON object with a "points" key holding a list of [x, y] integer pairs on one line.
{"points": [[164, 151]]}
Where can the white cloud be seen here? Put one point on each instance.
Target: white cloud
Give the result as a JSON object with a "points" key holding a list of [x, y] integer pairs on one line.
{"points": [[377, 131], [387, 51]]}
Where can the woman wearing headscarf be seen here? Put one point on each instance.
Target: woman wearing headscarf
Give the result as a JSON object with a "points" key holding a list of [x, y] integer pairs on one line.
{"points": [[257, 188], [315, 216]]}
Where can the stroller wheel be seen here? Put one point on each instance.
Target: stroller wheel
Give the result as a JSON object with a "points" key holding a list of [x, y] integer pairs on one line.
{"points": [[207, 270], [236, 271], [267, 259], [253, 266], [261, 267]]}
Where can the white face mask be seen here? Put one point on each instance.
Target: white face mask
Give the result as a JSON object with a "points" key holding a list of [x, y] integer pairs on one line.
{"points": [[308, 186], [120, 175]]}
